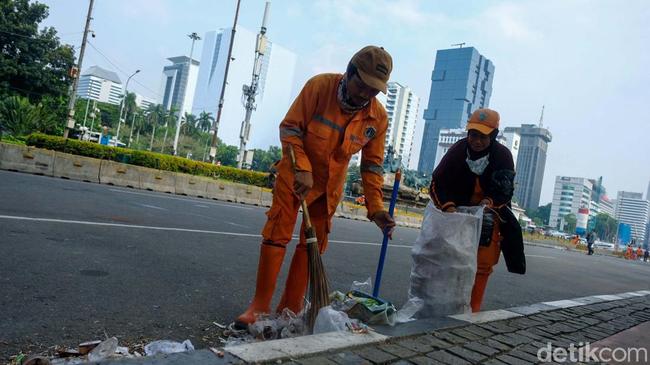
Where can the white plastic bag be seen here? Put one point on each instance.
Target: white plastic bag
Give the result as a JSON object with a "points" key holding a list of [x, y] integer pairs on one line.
{"points": [[167, 347], [330, 320], [103, 350], [444, 260], [406, 313]]}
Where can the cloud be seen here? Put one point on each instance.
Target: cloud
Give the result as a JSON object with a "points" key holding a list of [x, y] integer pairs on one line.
{"points": [[511, 20]]}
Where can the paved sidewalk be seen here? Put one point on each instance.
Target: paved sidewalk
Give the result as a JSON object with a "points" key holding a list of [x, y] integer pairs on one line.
{"points": [[512, 336]]}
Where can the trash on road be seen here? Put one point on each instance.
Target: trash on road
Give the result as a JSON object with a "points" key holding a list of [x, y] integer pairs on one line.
{"points": [[331, 320], [167, 347]]}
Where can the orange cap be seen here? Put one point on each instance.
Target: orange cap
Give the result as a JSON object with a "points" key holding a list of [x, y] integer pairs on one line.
{"points": [[374, 65], [483, 120]]}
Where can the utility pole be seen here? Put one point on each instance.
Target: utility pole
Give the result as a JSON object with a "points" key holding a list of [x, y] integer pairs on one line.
{"points": [[75, 73], [194, 37], [251, 91], [213, 146]]}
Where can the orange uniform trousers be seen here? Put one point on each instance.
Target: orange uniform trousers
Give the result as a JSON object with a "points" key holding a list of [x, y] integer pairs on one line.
{"points": [[486, 258]]}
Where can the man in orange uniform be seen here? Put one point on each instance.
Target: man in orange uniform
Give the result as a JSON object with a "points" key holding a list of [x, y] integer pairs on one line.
{"points": [[334, 117]]}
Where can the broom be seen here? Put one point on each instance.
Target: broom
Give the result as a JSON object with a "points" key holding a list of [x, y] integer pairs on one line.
{"points": [[318, 295]]}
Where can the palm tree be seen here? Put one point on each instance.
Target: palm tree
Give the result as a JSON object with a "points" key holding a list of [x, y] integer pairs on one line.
{"points": [[170, 116], [155, 114], [205, 121], [189, 125]]}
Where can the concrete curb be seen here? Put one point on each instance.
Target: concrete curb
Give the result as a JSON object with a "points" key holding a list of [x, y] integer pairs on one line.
{"points": [[274, 351], [321, 345], [50, 163]]}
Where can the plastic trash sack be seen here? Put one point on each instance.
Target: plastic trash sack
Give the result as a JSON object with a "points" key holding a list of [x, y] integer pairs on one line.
{"points": [[444, 260], [331, 320], [167, 347]]}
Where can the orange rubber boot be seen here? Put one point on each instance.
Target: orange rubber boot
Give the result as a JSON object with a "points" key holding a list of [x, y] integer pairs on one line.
{"points": [[297, 281], [480, 283], [271, 258]]}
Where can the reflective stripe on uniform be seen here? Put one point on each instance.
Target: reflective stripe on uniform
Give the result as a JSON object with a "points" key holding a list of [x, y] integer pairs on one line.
{"points": [[372, 167], [290, 132], [328, 122]]}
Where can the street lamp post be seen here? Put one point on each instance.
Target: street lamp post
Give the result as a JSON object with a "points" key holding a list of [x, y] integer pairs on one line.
{"points": [[194, 37], [126, 90]]}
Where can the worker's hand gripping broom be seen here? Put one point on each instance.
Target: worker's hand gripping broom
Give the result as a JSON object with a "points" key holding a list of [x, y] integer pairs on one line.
{"points": [[318, 295]]}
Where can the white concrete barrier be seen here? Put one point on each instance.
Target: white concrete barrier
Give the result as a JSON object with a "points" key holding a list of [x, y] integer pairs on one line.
{"points": [[119, 174], [157, 180], [248, 194], [76, 167], [266, 197], [27, 159], [221, 190], [192, 185]]}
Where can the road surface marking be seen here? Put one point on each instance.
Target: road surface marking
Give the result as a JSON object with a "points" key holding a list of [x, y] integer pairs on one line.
{"points": [[201, 206], [540, 256], [151, 206], [182, 199], [135, 226]]}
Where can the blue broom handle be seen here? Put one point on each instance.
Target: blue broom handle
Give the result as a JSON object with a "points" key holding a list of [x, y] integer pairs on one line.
{"points": [[384, 243]]}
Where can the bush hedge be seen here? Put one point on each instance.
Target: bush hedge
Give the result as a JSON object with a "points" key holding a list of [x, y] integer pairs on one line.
{"points": [[146, 159]]}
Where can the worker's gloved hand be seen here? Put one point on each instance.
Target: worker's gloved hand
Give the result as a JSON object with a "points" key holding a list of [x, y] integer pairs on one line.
{"points": [[384, 221], [303, 182], [486, 228]]}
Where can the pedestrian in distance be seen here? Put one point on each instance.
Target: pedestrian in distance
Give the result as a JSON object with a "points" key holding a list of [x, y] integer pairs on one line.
{"points": [[478, 170], [334, 117], [591, 239], [646, 254]]}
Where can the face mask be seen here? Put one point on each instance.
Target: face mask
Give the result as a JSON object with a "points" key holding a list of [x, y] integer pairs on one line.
{"points": [[342, 98], [478, 166]]}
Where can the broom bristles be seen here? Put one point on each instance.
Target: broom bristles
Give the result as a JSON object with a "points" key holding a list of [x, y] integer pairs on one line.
{"points": [[318, 283]]}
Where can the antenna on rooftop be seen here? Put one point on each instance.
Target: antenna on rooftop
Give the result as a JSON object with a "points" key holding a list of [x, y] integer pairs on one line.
{"points": [[460, 45], [541, 118]]}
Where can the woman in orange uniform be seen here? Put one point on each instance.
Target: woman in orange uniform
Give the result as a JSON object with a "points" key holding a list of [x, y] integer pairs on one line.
{"points": [[478, 170]]}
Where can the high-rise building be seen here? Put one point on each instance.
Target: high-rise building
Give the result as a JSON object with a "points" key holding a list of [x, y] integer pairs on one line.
{"points": [[531, 162], [461, 82], [632, 209], [512, 140], [101, 85], [401, 105], [179, 84], [569, 195], [647, 194], [143, 102], [275, 82]]}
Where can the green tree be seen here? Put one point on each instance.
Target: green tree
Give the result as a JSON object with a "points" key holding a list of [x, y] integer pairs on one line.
{"points": [[570, 220], [262, 160], [19, 117], [354, 176], [204, 122], [605, 227], [33, 63], [227, 155], [542, 212]]}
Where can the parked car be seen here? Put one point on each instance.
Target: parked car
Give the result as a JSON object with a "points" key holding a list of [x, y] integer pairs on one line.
{"points": [[604, 245]]}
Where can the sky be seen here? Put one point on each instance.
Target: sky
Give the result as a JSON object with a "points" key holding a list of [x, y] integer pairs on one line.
{"points": [[587, 62]]}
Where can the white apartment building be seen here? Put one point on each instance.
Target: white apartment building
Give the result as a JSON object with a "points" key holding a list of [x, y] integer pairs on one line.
{"points": [[632, 209], [512, 140], [275, 86], [569, 195], [143, 102], [402, 106], [101, 85], [179, 83]]}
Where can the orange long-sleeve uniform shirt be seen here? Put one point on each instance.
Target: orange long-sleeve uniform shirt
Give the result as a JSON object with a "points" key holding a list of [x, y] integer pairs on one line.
{"points": [[324, 138]]}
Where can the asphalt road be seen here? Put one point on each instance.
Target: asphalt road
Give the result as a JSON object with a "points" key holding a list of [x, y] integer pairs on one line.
{"points": [[80, 260]]}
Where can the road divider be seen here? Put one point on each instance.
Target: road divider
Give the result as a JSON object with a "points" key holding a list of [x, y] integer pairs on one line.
{"points": [[58, 164]]}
